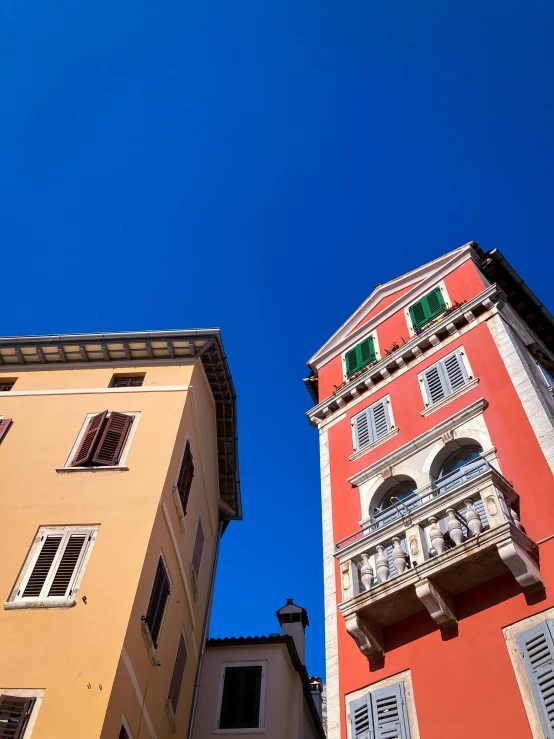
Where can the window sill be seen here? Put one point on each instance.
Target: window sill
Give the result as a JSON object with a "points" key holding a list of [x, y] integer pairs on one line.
{"points": [[360, 453], [441, 403], [170, 715], [152, 650], [115, 468], [22, 605]]}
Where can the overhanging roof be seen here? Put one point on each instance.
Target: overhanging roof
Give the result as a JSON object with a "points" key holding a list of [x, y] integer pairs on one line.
{"points": [[121, 348]]}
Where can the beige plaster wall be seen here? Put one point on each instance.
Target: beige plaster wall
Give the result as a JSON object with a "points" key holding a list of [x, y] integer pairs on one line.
{"points": [[75, 654]]}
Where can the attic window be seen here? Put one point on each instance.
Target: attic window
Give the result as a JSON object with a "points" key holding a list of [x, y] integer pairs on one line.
{"points": [[127, 380], [428, 307], [360, 356]]}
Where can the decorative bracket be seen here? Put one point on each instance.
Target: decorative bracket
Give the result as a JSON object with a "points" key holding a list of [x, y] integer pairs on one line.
{"points": [[521, 565], [437, 602], [367, 635]]}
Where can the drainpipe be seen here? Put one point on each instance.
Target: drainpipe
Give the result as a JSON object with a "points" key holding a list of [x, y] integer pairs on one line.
{"points": [[205, 631]]}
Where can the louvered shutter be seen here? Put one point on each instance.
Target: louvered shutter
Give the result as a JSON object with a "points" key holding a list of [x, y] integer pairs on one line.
{"points": [[351, 361], [158, 600], [90, 437], [380, 420], [362, 430], [428, 307], [198, 547], [42, 567], [14, 716], [186, 475], [360, 356], [5, 424], [361, 720], [178, 671], [435, 384], [390, 717], [454, 371], [537, 650], [112, 440], [370, 425], [68, 566], [123, 733]]}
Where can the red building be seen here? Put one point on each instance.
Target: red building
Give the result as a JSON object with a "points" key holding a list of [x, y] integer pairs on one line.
{"points": [[436, 422]]}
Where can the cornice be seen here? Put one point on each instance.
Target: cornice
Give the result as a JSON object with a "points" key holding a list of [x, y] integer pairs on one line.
{"points": [[408, 353], [421, 278], [420, 442]]}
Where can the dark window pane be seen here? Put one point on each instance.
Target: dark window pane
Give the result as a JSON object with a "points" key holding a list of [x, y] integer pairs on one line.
{"points": [[127, 381], [459, 459], [240, 705], [5, 387]]}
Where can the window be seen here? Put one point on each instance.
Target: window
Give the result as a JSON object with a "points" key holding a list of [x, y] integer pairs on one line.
{"points": [[123, 733], [536, 646], [360, 356], [5, 424], [102, 440], [241, 697], [158, 602], [15, 712], [401, 491], [185, 477], [55, 565], [6, 385], [381, 713], [178, 672], [428, 307], [198, 548], [127, 380], [372, 424], [460, 458], [444, 378]]}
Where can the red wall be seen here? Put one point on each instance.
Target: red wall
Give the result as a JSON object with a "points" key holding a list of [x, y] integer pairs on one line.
{"points": [[464, 684]]}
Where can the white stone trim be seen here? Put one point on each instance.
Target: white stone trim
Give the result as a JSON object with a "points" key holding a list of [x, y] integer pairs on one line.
{"points": [[179, 561], [140, 697], [24, 693], [539, 413], [401, 677], [100, 390], [370, 447], [126, 726], [445, 297], [330, 593]]}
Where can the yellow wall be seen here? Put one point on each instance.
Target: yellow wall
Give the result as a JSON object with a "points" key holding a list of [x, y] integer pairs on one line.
{"points": [[64, 651]]}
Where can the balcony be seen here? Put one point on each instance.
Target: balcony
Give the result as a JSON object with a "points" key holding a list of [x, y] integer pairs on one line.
{"points": [[441, 541]]}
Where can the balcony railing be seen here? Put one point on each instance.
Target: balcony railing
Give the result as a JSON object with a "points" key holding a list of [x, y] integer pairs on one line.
{"points": [[463, 531]]}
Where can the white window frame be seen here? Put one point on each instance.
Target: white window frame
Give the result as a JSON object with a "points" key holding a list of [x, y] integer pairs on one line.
{"points": [[429, 406], [393, 429], [16, 598], [24, 693], [359, 341], [152, 650], [261, 717], [445, 296], [124, 452]]}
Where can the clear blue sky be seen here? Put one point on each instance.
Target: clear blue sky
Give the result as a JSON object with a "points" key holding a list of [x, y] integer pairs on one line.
{"points": [[260, 166]]}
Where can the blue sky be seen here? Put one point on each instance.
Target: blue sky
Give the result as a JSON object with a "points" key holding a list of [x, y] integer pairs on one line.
{"points": [[260, 166]]}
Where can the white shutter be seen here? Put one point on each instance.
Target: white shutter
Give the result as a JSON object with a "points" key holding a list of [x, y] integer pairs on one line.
{"points": [[371, 424], [445, 377], [390, 717], [362, 430], [435, 384], [380, 420], [455, 371], [361, 720]]}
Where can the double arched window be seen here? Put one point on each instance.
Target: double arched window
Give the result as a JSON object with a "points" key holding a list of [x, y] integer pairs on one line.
{"points": [[459, 458]]}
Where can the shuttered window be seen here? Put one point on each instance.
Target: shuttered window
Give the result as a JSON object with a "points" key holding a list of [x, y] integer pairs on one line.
{"points": [[240, 703], [15, 712], [56, 565], [428, 307], [198, 548], [360, 356], [444, 378], [5, 424], [158, 602], [371, 424], [185, 477], [103, 440], [381, 714], [537, 651], [178, 672], [127, 380]]}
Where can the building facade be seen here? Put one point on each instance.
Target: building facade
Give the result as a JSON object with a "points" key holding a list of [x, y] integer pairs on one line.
{"points": [[118, 475], [436, 425], [259, 685]]}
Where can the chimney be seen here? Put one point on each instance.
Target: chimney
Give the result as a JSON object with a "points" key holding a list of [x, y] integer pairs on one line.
{"points": [[316, 689], [293, 620]]}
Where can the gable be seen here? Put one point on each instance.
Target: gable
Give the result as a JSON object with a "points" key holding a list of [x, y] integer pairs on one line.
{"points": [[382, 304]]}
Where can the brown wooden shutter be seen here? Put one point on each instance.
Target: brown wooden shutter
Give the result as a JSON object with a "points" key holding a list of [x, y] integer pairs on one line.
{"points": [[158, 600], [5, 424], [178, 671], [186, 474], [89, 440], [14, 716], [198, 547], [112, 440]]}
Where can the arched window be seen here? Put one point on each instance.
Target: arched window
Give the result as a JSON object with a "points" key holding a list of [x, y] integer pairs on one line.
{"points": [[394, 495], [458, 459]]}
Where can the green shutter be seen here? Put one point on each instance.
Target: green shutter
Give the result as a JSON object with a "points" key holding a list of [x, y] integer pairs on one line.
{"points": [[428, 307], [360, 356]]}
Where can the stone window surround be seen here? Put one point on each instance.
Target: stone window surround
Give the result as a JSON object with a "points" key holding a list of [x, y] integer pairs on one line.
{"points": [[472, 382], [24, 693], [373, 334], [261, 717], [393, 429], [445, 296]]}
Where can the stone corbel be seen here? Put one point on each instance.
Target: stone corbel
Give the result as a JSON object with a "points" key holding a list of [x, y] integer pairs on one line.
{"points": [[521, 565], [437, 602], [367, 635]]}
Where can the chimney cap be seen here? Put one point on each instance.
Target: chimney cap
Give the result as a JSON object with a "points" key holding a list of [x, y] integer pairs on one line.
{"points": [[291, 612]]}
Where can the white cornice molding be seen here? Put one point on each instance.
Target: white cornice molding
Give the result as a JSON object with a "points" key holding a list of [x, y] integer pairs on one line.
{"points": [[421, 278], [420, 442]]}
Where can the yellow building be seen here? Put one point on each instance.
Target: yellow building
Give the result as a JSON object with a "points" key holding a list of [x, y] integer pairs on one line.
{"points": [[118, 476]]}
